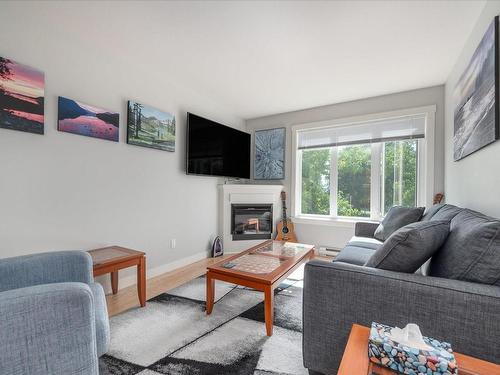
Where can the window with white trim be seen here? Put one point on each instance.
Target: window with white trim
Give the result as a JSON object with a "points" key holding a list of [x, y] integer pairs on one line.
{"points": [[360, 170]]}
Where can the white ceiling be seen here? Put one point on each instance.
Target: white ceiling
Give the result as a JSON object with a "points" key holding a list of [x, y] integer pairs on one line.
{"points": [[259, 58]]}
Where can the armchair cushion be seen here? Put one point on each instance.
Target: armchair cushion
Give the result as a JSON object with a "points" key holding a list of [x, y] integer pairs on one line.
{"points": [[410, 247], [45, 268], [48, 329], [101, 319]]}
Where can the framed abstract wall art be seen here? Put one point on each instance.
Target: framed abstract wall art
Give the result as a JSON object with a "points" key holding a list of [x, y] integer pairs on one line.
{"points": [[21, 97], [476, 98], [269, 160], [84, 119], [149, 127]]}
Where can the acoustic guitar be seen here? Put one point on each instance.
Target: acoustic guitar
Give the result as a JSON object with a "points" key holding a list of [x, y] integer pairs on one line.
{"points": [[285, 227]]}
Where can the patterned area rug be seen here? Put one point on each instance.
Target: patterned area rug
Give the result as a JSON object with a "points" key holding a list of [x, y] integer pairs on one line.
{"points": [[173, 335]]}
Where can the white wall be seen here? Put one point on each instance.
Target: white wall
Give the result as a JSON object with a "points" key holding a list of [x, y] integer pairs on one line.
{"points": [[64, 191], [473, 181], [337, 236]]}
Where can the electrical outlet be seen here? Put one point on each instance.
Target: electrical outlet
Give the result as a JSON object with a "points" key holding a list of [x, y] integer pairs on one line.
{"points": [[172, 243]]}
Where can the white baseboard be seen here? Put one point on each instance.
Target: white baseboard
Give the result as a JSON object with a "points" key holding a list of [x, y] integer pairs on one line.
{"points": [[124, 282]]}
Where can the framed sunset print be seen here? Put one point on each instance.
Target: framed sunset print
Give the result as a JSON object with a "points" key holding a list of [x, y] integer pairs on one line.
{"points": [[21, 97]]}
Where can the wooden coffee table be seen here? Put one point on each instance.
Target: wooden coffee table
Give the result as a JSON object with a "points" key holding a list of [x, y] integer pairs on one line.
{"points": [[355, 359], [262, 267], [114, 258]]}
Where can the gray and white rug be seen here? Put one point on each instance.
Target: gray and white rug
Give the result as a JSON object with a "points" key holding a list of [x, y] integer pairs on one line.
{"points": [[173, 335]]}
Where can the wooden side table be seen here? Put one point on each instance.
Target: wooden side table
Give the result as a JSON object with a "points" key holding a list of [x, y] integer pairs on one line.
{"points": [[114, 258], [355, 359]]}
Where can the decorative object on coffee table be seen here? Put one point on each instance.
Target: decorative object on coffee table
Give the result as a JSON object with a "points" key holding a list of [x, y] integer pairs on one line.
{"points": [[385, 348], [355, 360], [114, 258], [262, 267]]}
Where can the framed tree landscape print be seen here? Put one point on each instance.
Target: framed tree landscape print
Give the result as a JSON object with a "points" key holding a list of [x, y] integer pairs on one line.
{"points": [[269, 161], [476, 98], [21, 97], [150, 127]]}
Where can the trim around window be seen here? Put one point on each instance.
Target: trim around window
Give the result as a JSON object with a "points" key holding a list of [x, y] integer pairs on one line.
{"points": [[425, 166]]}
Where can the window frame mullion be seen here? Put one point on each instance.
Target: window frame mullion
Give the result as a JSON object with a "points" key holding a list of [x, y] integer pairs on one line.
{"points": [[334, 173], [376, 181]]}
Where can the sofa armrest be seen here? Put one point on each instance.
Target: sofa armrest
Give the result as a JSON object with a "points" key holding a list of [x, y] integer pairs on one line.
{"points": [[45, 268], [337, 294], [48, 329], [365, 229]]}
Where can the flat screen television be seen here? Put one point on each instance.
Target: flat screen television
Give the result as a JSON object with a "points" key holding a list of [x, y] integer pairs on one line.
{"points": [[214, 149]]}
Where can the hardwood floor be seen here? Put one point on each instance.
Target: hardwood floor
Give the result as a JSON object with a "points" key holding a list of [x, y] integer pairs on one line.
{"points": [[126, 298]]}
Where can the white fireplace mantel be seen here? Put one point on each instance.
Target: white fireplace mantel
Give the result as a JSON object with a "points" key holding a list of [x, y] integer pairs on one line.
{"points": [[251, 194]]}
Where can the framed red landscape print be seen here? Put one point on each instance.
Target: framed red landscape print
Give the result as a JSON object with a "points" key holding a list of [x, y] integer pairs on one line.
{"points": [[88, 120]]}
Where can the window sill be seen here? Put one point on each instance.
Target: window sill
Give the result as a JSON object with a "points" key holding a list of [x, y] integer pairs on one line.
{"points": [[328, 221]]}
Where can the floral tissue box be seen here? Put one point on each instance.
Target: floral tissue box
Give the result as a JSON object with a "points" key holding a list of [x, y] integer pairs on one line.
{"points": [[383, 351]]}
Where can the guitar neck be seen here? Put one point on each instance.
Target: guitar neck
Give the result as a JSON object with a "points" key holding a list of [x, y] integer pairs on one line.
{"points": [[283, 213]]}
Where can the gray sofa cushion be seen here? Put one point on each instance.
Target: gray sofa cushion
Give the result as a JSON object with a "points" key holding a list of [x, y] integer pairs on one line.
{"points": [[447, 212], [354, 255], [367, 242], [410, 247], [396, 218], [472, 250], [431, 211]]}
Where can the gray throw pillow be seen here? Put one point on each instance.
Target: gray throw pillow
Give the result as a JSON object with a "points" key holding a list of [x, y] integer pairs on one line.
{"points": [[397, 217], [472, 250], [410, 247]]}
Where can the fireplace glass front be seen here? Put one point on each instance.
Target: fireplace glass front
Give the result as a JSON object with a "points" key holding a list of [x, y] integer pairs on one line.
{"points": [[251, 221]]}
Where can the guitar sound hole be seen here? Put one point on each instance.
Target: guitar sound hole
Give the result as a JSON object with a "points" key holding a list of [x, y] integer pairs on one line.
{"points": [[285, 230]]}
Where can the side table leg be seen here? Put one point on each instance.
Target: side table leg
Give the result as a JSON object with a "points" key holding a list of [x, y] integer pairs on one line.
{"points": [[269, 309], [210, 293], [141, 281], [114, 282]]}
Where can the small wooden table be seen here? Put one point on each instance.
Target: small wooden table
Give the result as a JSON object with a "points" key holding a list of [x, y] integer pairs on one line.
{"points": [[263, 268], [114, 258], [355, 359]]}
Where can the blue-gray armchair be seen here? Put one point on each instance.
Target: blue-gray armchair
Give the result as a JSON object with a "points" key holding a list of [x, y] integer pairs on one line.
{"points": [[53, 317]]}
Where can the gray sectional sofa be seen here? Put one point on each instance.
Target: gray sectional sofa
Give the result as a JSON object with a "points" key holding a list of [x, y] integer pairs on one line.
{"points": [[454, 297]]}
